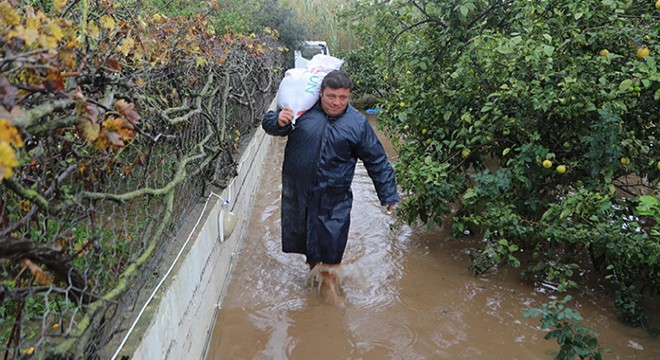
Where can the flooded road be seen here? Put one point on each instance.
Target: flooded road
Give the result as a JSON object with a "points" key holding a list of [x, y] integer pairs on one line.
{"points": [[410, 296]]}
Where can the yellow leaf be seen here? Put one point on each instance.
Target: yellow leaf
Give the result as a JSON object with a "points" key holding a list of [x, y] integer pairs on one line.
{"points": [[40, 17], [126, 45], [200, 61], [8, 15], [82, 166], [59, 4], [107, 22], [33, 22], [68, 59], [138, 53], [8, 160], [16, 32], [30, 36], [102, 142], [56, 30], [115, 131], [6, 173], [48, 42], [9, 134], [120, 126], [25, 205], [73, 44], [93, 29], [87, 130]]}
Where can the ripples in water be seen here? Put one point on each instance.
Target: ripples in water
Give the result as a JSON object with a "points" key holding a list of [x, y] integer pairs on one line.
{"points": [[409, 293]]}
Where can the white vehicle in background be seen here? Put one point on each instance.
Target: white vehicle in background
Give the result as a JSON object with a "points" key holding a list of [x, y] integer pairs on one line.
{"points": [[307, 51]]}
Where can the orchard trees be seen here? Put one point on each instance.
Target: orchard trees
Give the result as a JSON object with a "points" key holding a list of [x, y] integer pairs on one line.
{"points": [[530, 108]]}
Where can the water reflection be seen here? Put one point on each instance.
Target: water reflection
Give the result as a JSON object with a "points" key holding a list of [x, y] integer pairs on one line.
{"points": [[410, 296]]}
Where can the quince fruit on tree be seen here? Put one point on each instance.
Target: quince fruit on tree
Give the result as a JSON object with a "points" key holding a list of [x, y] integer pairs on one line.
{"points": [[625, 161], [643, 52], [547, 164]]}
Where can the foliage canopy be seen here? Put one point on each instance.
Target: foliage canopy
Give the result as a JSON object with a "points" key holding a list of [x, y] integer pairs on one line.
{"points": [[536, 122]]}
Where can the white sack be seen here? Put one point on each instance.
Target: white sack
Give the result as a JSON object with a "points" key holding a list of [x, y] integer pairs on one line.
{"points": [[324, 63], [300, 88]]}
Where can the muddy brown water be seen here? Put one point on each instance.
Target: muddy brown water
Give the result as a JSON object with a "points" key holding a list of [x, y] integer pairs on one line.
{"points": [[410, 296]]}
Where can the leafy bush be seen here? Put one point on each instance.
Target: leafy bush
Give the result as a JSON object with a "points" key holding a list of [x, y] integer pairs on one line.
{"points": [[572, 338], [535, 122]]}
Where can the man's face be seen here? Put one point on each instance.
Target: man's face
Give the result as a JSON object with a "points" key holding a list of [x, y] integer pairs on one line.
{"points": [[334, 101]]}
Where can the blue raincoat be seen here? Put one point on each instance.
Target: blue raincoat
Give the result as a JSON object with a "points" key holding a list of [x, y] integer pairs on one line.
{"points": [[319, 163]]}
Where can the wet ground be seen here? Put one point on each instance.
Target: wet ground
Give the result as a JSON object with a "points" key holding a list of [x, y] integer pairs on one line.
{"points": [[410, 297]]}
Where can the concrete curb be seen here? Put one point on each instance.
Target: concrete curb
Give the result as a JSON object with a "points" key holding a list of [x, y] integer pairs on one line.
{"points": [[181, 316]]}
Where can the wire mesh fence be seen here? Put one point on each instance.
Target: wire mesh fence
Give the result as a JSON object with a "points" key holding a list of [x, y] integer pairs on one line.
{"points": [[107, 165]]}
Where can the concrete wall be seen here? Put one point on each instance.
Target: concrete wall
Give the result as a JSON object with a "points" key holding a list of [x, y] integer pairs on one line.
{"points": [[180, 316]]}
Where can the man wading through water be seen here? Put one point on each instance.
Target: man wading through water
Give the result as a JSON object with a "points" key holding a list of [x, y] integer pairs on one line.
{"points": [[319, 163]]}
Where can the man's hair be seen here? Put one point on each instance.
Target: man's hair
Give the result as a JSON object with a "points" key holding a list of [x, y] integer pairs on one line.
{"points": [[337, 80]]}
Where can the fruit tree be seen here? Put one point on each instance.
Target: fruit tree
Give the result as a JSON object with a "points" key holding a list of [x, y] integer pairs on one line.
{"points": [[521, 88]]}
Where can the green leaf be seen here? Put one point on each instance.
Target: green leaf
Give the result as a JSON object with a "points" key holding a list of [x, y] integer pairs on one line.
{"points": [[464, 10], [649, 205], [532, 313], [504, 50], [548, 50], [592, 342], [625, 85], [514, 262], [469, 195]]}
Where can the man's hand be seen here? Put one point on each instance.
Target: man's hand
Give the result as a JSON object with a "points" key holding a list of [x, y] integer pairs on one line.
{"points": [[285, 117]]}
